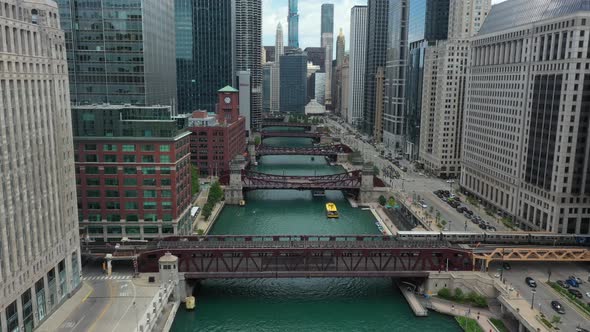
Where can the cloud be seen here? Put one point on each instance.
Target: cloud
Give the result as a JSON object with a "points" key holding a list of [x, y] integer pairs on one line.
{"points": [[275, 11]]}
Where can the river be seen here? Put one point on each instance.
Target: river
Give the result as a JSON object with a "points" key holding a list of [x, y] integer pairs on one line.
{"points": [[260, 305]]}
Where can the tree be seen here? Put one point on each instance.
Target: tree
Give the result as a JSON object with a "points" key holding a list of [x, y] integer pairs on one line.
{"points": [[257, 140], [382, 200], [391, 201], [458, 294], [555, 320], [196, 187], [215, 193], [445, 293]]}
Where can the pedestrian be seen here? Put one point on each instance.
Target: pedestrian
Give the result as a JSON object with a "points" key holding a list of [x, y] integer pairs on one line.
{"points": [[477, 317], [453, 307]]}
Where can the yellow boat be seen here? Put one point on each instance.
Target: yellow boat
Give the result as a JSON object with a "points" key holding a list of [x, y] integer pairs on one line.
{"points": [[331, 211], [190, 303]]}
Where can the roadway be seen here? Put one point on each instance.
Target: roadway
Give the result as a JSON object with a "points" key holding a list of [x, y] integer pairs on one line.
{"points": [[515, 277], [415, 183]]}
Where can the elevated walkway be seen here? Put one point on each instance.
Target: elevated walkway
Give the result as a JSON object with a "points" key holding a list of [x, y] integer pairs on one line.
{"points": [[415, 305]]}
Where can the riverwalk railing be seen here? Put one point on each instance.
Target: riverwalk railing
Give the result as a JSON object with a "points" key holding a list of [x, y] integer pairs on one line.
{"points": [[149, 320]]}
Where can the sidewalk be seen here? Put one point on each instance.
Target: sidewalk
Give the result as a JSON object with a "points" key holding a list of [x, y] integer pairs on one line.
{"points": [[455, 309], [58, 317]]}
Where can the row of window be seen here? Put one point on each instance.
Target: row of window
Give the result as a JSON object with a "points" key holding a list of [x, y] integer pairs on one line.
{"points": [[113, 158], [126, 182], [99, 230], [126, 147], [128, 193], [126, 170], [127, 205]]}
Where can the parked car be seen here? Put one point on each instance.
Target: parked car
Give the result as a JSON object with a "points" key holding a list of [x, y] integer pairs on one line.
{"points": [[469, 212], [422, 204], [572, 282], [575, 293], [581, 329], [531, 282], [506, 266], [460, 209], [468, 216], [557, 307], [563, 284]]}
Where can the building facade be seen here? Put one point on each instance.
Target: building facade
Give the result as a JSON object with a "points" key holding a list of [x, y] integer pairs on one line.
{"points": [[358, 55], [376, 54], [267, 86], [204, 52], [248, 45], [379, 106], [443, 96], [120, 56], [293, 22], [327, 42], [217, 137], [343, 88], [340, 46], [133, 172], [39, 239], [293, 75], [320, 88], [317, 56], [526, 142]]}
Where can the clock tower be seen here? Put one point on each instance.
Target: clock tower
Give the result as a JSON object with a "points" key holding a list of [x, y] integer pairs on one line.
{"points": [[228, 105]]}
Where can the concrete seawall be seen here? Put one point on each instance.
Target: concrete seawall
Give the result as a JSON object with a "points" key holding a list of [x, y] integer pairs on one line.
{"points": [[415, 305]]}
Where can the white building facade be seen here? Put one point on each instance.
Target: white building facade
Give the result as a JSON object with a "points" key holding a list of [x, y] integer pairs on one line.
{"points": [[357, 61], [39, 240], [526, 141]]}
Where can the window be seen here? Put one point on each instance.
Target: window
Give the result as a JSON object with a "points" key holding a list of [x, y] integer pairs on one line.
{"points": [[148, 148], [132, 230], [132, 217], [167, 205], [148, 170], [89, 147], [94, 218], [149, 182], [150, 217], [166, 193], [113, 217], [164, 182], [111, 182], [149, 194], [150, 229], [131, 205], [91, 170], [93, 193], [129, 170], [165, 148], [110, 170], [149, 205], [166, 217], [93, 182], [114, 229], [165, 170], [130, 182], [147, 159], [167, 229], [112, 193], [110, 158], [130, 193], [91, 158], [113, 206], [129, 158], [164, 159], [93, 205], [109, 147], [128, 148]]}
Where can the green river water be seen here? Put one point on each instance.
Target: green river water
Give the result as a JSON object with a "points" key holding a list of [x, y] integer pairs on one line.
{"points": [[261, 305]]}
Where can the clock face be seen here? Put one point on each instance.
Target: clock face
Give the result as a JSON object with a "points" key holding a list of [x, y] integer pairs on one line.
{"points": [[227, 100]]}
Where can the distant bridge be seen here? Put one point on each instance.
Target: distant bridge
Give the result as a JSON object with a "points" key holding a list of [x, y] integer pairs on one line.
{"points": [[265, 124], [343, 181], [322, 150], [306, 134], [304, 256]]}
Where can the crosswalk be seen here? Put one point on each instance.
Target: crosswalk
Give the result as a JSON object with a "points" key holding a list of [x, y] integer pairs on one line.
{"points": [[105, 277]]}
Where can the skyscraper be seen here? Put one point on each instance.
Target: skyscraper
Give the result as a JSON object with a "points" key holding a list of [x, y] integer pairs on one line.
{"points": [[248, 45], [275, 71], [317, 56], [293, 82], [293, 21], [340, 45], [204, 52], [120, 56], [428, 22], [395, 75], [526, 141], [358, 55], [267, 86], [445, 71], [39, 241], [376, 56], [279, 49], [327, 42]]}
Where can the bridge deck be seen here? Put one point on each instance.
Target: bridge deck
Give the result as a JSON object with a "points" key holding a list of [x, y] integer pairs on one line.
{"points": [[355, 245]]}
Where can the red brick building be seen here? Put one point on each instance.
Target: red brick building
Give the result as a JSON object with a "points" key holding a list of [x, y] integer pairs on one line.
{"points": [[217, 138], [132, 172]]}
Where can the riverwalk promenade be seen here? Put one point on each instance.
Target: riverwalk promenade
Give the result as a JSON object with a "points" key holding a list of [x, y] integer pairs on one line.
{"points": [[482, 316]]}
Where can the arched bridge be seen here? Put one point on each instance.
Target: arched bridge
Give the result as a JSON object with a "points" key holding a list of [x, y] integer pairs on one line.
{"points": [[321, 150], [304, 256], [266, 124], [343, 181], [306, 134]]}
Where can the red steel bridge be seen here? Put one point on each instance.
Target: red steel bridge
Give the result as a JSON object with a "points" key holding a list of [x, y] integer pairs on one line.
{"points": [[343, 181], [266, 124], [305, 134], [320, 150], [293, 256]]}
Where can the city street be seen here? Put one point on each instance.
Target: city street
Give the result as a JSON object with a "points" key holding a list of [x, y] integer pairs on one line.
{"points": [[515, 277], [416, 183]]}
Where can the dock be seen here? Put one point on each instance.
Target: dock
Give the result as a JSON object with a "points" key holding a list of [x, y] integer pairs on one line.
{"points": [[415, 305]]}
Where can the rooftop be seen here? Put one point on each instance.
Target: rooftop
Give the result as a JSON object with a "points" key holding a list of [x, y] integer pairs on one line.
{"points": [[228, 89], [514, 13]]}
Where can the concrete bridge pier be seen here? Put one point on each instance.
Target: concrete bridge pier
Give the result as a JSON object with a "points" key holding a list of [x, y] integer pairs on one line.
{"points": [[168, 267], [342, 158], [367, 177], [234, 193]]}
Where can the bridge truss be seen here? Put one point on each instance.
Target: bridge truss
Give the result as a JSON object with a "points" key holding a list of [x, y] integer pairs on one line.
{"points": [[322, 150], [253, 180], [549, 254], [270, 134], [285, 124]]}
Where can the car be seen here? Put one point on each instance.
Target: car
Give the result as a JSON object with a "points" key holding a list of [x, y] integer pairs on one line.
{"points": [[575, 293], [563, 284], [469, 212], [557, 307], [460, 209], [531, 282], [572, 282], [422, 204], [506, 266], [482, 226], [492, 228], [588, 294], [468, 216], [581, 329]]}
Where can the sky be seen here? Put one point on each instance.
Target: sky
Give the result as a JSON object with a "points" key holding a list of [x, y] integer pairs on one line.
{"points": [[275, 11]]}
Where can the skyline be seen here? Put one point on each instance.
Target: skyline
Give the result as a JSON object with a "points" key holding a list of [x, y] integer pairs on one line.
{"points": [[275, 11]]}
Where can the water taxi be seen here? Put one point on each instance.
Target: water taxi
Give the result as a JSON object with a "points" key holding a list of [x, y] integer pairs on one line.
{"points": [[190, 303], [331, 211]]}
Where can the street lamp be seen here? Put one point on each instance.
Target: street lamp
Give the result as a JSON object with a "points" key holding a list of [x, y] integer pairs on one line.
{"points": [[533, 299]]}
